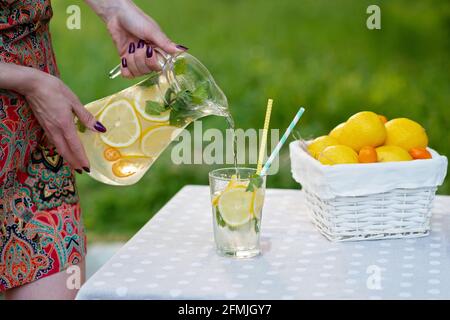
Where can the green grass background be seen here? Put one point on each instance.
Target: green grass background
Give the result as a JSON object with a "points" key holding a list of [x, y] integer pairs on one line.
{"points": [[315, 53]]}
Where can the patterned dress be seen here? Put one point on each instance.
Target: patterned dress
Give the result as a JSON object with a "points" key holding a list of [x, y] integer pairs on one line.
{"points": [[41, 229]]}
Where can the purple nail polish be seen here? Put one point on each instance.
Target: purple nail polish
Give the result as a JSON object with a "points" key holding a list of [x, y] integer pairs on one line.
{"points": [[131, 48], [124, 62], [141, 44], [99, 127], [149, 51], [86, 169], [79, 171], [181, 47]]}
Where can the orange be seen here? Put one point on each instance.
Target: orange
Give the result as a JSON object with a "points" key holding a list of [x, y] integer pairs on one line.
{"points": [[111, 154], [420, 153], [129, 165], [368, 154]]}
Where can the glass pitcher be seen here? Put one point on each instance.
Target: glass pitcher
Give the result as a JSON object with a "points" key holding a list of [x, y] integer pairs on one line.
{"points": [[142, 120]]}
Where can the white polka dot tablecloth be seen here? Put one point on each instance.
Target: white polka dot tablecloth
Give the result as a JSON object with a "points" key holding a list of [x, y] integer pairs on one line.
{"points": [[173, 257]]}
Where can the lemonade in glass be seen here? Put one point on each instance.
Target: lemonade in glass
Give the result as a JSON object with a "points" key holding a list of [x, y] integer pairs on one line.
{"points": [[142, 120], [237, 198]]}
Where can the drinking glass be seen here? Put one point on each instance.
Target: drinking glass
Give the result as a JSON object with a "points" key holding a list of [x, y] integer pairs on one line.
{"points": [[237, 199]]}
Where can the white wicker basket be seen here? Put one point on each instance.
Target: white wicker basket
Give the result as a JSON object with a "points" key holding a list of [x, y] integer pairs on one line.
{"points": [[369, 201]]}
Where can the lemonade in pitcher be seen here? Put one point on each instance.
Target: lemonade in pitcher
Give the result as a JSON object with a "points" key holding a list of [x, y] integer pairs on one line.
{"points": [[142, 120]]}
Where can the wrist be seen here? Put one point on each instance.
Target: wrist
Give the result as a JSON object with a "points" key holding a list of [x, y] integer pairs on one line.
{"points": [[106, 9], [19, 78], [33, 79]]}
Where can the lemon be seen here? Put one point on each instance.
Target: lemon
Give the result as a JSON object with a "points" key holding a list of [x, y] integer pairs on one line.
{"points": [[156, 138], [339, 154], [363, 129], [406, 133], [392, 153], [233, 183], [122, 124], [151, 94], [257, 202], [336, 132], [234, 206], [320, 143]]}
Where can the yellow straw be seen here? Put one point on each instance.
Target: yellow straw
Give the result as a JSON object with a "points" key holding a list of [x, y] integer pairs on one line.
{"points": [[262, 147]]}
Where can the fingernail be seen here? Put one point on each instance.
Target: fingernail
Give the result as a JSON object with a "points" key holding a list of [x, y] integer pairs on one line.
{"points": [[124, 62], [131, 48], [141, 44], [79, 171], [181, 47], [86, 169], [99, 127], [149, 51]]}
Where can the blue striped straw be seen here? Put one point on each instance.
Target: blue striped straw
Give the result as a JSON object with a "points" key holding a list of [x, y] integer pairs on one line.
{"points": [[282, 141]]}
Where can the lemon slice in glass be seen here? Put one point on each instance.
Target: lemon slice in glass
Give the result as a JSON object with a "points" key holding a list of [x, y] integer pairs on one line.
{"points": [[257, 202], [155, 139], [151, 94], [235, 182], [234, 206], [122, 124]]}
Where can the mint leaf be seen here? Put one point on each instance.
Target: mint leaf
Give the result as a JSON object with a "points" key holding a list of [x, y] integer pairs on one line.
{"points": [[182, 101], [168, 96], [200, 93], [80, 126], [154, 108], [180, 66], [151, 80], [255, 182], [219, 219], [256, 225]]}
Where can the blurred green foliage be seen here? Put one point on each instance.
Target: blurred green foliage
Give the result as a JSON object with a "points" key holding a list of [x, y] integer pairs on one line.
{"points": [[315, 53]]}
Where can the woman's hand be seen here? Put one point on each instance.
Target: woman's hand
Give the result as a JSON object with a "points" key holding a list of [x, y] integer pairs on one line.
{"points": [[135, 35], [54, 104]]}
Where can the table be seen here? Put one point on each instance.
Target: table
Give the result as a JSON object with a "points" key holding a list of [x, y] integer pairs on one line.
{"points": [[173, 257]]}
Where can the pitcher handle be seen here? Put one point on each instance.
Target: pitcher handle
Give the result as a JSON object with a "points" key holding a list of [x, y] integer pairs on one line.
{"points": [[161, 56]]}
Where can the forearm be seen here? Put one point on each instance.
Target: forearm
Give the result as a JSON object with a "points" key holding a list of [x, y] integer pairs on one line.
{"points": [[105, 8], [17, 78]]}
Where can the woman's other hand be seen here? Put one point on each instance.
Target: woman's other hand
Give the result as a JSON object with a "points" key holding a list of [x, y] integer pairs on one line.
{"points": [[54, 105], [135, 35]]}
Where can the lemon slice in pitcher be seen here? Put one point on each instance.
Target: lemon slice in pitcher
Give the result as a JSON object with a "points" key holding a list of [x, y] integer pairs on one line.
{"points": [[234, 206], [155, 139], [151, 94], [122, 124]]}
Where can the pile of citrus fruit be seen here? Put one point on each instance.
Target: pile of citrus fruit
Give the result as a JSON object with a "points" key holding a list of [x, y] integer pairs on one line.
{"points": [[367, 137]]}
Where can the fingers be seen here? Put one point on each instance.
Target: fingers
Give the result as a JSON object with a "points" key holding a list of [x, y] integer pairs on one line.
{"points": [[146, 59], [58, 140], [86, 117], [76, 148], [131, 63], [124, 69], [156, 36], [140, 59]]}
